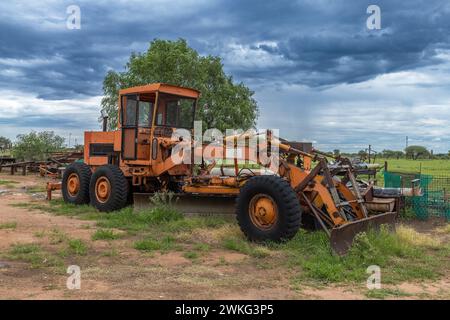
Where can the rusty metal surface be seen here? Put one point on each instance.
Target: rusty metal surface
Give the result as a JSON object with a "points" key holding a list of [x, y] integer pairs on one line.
{"points": [[381, 204], [192, 204], [341, 238]]}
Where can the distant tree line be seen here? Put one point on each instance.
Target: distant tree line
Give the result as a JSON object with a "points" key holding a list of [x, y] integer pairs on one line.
{"points": [[5, 144], [33, 146], [412, 152]]}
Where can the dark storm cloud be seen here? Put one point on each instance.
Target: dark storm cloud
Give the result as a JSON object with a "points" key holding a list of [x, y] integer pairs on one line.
{"points": [[315, 42], [308, 57]]}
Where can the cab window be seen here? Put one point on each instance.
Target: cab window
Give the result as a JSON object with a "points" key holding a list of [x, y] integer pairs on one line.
{"points": [[145, 114], [174, 111]]}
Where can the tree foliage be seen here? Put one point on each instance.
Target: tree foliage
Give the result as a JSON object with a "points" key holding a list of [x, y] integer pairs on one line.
{"points": [[230, 105], [36, 145], [391, 154], [363, 154], [417, 152], [5, 144]]}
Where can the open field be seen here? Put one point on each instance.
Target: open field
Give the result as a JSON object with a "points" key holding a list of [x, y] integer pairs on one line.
{"points": [[427, 166], [160, 254]]}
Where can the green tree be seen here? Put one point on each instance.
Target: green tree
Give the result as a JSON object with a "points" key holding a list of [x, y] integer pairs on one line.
{"points": [[5, 144], [223, 103], [336, 152], [416, 152], [398, 154], [362, 154], [36, 145]]}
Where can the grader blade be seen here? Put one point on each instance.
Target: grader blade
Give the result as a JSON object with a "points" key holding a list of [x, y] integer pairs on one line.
{"points": [[191, 204], [341, 238]]}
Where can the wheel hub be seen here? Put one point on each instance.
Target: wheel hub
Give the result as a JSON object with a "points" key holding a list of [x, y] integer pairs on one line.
{"points": [[73, 184], [263, 211], [102, 189]]}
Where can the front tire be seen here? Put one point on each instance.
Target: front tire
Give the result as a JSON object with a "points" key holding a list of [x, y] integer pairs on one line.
{"points": [[108, 189], [75, 183], [267, 208]]}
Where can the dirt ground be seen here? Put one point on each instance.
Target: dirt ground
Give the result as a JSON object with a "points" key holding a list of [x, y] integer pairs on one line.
{"points": [[130, 274]]}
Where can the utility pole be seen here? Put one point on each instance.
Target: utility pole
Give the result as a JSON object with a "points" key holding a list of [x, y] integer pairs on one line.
{"points": [[406, 142], [70, 136]]}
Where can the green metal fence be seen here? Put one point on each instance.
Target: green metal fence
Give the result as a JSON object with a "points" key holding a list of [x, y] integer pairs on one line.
{"points": [[435, 197]]}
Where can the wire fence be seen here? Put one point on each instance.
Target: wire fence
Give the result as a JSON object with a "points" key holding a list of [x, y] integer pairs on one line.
{"points": [[434, 199]]}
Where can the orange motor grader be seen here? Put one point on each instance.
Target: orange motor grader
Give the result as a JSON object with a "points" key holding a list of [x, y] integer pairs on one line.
{"points": [[137, 159]]}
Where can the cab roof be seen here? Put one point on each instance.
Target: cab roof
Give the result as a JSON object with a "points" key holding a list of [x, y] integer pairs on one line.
{"points": [[162, 87]]}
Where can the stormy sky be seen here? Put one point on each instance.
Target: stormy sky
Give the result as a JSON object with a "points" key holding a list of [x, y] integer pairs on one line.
{"points": [[318, 72]]}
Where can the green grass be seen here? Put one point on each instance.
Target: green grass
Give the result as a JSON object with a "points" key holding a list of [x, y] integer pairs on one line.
{"points": [[126, 219], [110, 253], [57, 236], [160, 220], [8, 225], [203, 247], [191, 255], [39, 234], [36, 189], [34, 255], [385, 293], [7, 182], [167, 243], [105, 234], [60, 208], [426, 166], [24, 249], [310, 254], [78, 247], [243, 246]]}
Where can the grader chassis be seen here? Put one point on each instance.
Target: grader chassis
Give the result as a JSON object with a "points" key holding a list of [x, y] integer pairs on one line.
{"points": [[138, 159]]}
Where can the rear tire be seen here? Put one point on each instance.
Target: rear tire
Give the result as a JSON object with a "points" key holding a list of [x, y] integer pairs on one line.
{"points": [[108, 189], [276, 195], [75, 183]]}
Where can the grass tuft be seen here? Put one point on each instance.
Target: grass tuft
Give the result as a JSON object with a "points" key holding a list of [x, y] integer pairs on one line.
{"points": [[243, 246], [191, 255], [385, 293], [105, 234], [57, 236], [165, 244], [415, 238], [33, 254], [78, 247], [8, 225], [444, 229], [8, 183]]}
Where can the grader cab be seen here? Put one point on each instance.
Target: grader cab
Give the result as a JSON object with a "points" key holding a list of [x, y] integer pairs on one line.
{"points": [[139, 159]]}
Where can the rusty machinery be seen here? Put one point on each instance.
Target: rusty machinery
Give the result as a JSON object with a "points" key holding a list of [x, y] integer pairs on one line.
{"points": [[137, 160]]}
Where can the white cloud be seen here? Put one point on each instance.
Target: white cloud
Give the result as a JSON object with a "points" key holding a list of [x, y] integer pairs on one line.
{"points": [[22, 112], [241, 56], [381, 111]]}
